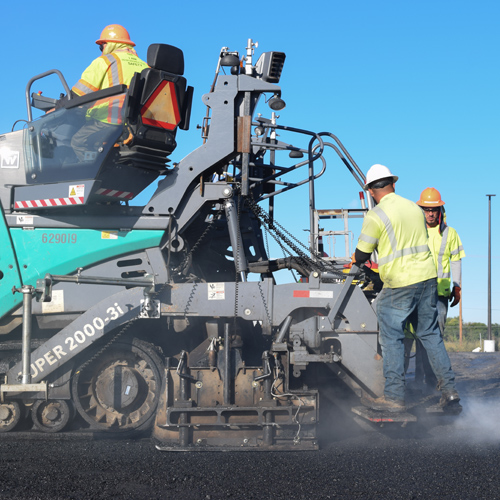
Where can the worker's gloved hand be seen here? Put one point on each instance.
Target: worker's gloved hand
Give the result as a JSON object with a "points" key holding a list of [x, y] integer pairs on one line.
{"points": [[349, 266], [368, 264], [455, 296]]}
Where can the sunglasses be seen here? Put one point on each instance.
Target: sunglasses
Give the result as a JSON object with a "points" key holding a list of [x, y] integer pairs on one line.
{"points": [[431, 209], [101, 46]]}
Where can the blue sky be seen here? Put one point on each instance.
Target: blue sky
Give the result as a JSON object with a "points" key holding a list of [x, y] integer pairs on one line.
{"points": [[409, 84]]}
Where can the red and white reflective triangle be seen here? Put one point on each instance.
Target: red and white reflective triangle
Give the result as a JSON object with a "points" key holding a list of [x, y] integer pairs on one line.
{"points": [[124, 195], [49, 202], [313, 294]]}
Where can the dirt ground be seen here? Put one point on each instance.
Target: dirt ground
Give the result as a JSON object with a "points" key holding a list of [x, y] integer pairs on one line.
{"points": [[477, 374]]}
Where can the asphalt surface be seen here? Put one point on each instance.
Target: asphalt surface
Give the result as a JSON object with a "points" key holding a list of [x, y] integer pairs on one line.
{"points": [[441, 457]]}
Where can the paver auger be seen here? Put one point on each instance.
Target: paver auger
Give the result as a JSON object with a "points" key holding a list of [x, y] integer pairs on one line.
{"points": [[168, 314]]}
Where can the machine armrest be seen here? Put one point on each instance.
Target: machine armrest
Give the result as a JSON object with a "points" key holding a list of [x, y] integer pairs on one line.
{"points": [[94, 96]]}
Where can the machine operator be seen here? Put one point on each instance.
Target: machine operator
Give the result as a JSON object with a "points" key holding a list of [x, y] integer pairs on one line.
{"points": [[117, 65]]}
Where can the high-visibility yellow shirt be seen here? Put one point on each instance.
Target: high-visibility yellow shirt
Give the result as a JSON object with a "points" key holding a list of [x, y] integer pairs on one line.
{"points": [[445, 248], [396, 229], [106, 71]]}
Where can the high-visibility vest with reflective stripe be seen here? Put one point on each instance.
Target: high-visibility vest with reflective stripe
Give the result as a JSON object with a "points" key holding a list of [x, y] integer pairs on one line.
{"points": [[396, 229], [107, 71], [445, 247]]}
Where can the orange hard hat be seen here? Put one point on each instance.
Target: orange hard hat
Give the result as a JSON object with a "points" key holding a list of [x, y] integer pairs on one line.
{"points": [[115, 33], [430, 197]]}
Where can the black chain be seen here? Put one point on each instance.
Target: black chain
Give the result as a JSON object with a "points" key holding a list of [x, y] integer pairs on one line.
{"points": [[189, 300], [236, 263], [209, 227], [279, 236], [282, 235], [259, 283]]}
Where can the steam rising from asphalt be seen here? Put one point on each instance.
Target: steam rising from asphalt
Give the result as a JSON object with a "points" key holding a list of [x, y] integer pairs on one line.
{"points": [[478, 383], [479, 420]]}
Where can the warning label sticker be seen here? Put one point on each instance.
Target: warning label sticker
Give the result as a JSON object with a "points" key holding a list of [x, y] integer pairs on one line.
{"points": [[77, 190], [22, 220], [216, 291], [109, 235]]}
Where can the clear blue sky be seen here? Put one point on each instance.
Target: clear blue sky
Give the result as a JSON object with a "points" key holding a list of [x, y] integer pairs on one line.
{"points": [[410, 84]]}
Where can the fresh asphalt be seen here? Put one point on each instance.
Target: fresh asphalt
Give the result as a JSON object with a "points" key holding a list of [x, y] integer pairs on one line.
{"points": [[442, 457]]}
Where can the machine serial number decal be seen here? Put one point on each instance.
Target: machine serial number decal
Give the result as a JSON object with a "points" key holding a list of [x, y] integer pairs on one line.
{"points": [[216, 291], [313, 294], [80, 338], [59, 238]]}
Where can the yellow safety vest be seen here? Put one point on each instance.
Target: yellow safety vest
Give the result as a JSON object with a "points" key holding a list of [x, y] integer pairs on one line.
{"points": [[396, 229], [445, 247], [106, 71]]}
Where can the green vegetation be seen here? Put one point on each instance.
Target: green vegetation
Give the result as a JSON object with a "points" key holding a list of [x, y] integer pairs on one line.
{"points": [[472, 334]]}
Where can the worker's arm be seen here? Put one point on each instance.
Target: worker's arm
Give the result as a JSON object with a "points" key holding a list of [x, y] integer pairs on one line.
{"points": [[360, 257], [456, 272], [456, 291], [456, 255], [368, 239]]}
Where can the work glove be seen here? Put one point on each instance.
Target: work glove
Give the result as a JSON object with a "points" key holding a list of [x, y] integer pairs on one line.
{"points": [[349, 266], [455, 296]]}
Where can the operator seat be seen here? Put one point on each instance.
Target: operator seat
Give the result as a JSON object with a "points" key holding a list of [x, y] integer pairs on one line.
{"points": [[158, 103]]}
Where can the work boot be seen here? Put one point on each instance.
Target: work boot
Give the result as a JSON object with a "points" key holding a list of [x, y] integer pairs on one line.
{"points": [[386, 404], [450, 401]]}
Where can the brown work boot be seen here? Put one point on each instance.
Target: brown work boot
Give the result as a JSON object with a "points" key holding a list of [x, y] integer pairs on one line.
{"points": [[386, 404]]}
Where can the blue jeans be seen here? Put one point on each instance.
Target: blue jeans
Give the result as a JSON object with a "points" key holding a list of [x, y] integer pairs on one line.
{"points": [[423, 367], [442, 307], [394, 305]]}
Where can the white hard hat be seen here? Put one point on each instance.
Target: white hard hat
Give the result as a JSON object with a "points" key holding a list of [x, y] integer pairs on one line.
{"points": [[378, 172]]}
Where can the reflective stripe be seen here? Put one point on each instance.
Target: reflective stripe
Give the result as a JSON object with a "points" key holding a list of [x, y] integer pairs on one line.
{"points": [[440, 256], [396, 254], [401, 253], [388, 228], [83, 87], [114, 109], [368, 239], [457, 251], [115, 77], [114, 71]]}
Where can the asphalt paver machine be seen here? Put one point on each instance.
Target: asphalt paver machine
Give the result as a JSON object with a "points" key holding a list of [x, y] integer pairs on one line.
{"points": [[168, 315]]}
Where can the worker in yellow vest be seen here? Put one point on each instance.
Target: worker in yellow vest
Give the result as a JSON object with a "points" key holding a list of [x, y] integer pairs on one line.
{"points": [[117, 65], [396, 228], [447, 252]]}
